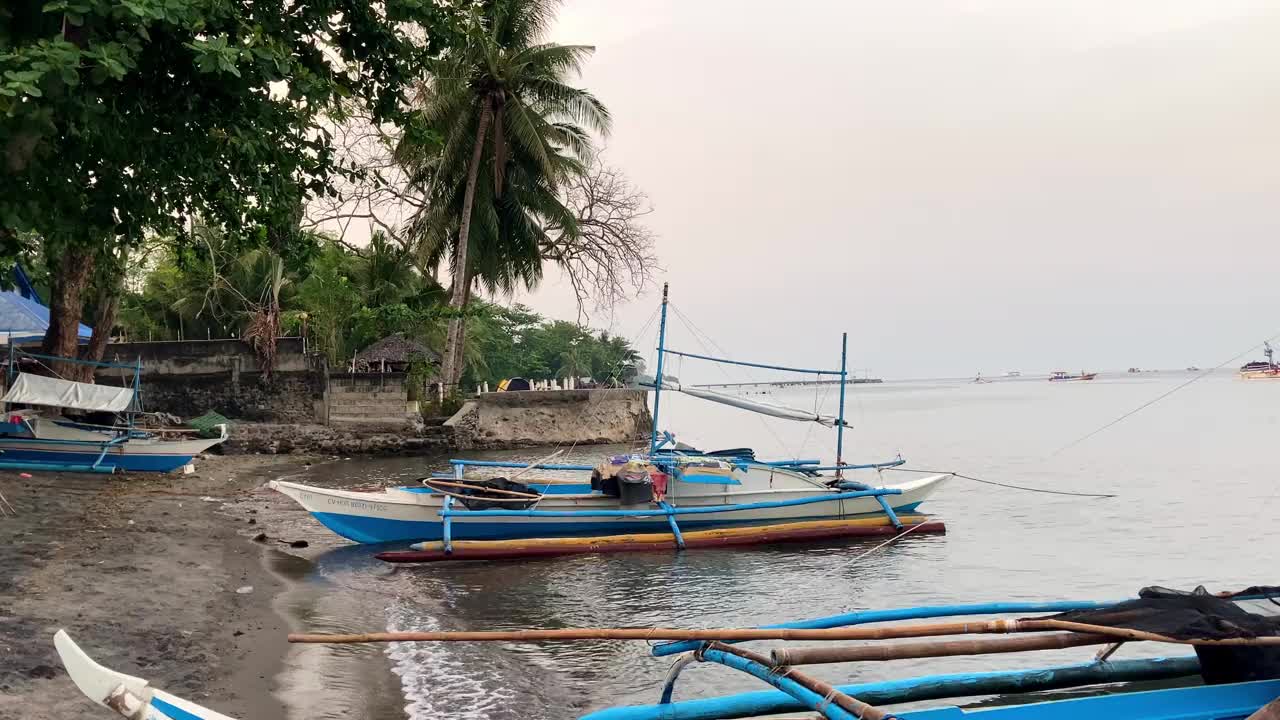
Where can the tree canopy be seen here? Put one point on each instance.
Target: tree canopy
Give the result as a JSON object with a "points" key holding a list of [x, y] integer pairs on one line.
{"points": [[345, 300], [513, 129], [124, 118]]}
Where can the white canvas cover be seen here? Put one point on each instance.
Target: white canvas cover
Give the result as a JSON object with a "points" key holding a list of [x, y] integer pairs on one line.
{"points": [[39, 390], [764, 408]]}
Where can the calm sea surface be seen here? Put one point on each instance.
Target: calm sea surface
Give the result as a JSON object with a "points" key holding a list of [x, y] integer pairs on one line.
{"points": [[1195, 475]]}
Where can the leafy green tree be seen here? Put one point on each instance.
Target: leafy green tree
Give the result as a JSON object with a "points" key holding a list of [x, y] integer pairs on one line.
{"points": [[513, 128], [120, 118]]}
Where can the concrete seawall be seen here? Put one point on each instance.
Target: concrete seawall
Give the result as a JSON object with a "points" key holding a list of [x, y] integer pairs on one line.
{"points": [[555, 417]]}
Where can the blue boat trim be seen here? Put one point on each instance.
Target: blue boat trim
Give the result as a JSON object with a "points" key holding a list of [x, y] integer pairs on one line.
{"points": [[702, 510], [172, 710], [51, 459], [364, 529], [918, 689], [807, 698]]}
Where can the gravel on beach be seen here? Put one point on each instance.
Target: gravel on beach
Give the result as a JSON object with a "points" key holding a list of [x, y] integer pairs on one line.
{"points": [[143, 571]]}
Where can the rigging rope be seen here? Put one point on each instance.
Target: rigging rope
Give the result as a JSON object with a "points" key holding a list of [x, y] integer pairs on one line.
{"points": [[704, 340], [1162, 396], [1000, 484]]}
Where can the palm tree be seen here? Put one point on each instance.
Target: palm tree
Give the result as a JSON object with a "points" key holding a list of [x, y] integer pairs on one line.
{"points": [[508, 117]]}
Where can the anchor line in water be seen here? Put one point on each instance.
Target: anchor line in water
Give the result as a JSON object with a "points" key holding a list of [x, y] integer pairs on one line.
{"points": [[1162, 396], [1000, 484]]}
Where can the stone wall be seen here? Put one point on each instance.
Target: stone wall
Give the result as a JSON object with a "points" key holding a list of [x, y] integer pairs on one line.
{"points": [[523, 419], [380, 399], [206, 357], [287, 398], [190, 377]]}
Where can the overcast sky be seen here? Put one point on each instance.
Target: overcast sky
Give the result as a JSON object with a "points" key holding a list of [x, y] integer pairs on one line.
{"points": [[962, 186]]}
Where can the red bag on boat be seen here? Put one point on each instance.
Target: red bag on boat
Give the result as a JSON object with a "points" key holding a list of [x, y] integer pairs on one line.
{"points": [[659, 480]]}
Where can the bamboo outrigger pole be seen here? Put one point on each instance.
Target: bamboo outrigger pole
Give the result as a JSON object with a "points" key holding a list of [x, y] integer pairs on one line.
{"points": [[744, 634]]}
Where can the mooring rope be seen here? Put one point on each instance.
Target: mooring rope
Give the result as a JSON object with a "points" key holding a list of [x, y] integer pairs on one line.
{"points": [[1000, 484], [1162, 396]]}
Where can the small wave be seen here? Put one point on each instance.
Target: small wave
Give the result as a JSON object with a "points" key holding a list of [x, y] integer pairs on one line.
{"points": [[437, 678]]}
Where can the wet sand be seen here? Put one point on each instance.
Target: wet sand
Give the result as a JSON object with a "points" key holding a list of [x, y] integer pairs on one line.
{"points": [[143, 572]]}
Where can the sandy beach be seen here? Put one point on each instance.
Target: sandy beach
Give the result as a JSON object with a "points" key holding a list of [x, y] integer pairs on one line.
{"points": [[149, 574]]}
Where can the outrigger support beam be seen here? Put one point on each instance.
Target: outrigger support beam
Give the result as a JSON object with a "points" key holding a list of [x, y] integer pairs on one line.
{"points": [[675, 527], [446, 527], [815, 694]]}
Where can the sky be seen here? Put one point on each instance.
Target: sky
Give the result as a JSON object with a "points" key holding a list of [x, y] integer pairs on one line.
{"points": [[962, 187]]}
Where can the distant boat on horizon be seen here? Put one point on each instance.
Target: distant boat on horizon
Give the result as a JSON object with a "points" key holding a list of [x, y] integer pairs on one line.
{"points": [[1259, 369], [1063, 376]]}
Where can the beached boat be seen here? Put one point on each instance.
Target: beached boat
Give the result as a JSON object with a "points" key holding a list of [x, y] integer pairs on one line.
{"points": [[1239, 680], [666, 488], [1236, 637], [46, 440], [1063, 376], [127, 695], [1262, 369], [748, 493]]}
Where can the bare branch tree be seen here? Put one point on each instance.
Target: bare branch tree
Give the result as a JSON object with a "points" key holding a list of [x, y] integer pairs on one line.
{"points": [[378, 195], [608, 257]]}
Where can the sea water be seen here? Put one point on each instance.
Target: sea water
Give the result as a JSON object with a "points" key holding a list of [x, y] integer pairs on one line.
{"points": [[1196, 500]]}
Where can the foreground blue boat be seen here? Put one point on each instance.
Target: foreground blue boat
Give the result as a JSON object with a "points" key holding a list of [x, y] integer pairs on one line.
{"points": [[1258, 687]]}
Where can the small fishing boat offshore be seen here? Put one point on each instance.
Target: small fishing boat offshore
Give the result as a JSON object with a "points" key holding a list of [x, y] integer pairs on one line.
{"points": [[1235, 636], [668, 496], [47, 439], [1064, 376], [1262, 369]]}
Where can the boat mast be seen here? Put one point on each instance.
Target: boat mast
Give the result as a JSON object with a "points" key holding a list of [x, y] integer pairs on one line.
{"points": [[657, 383], [844, 375]]}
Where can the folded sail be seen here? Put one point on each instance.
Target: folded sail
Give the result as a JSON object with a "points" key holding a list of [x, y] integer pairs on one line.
{"points": [[764, 408], [55, 392]]}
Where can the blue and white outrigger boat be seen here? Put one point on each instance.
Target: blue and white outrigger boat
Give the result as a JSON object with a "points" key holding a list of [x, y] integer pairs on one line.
{"points": [[129, 696], [44, 439], [669, 488]]}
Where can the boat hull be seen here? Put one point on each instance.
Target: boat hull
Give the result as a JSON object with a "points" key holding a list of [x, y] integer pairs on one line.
{"points": [[127, 695], [55, 446], [400, 516], [693, 540]]}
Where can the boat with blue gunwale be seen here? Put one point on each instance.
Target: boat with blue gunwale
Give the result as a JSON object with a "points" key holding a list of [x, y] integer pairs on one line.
{"points": [[45, 439], [127, 695], [1235, 636], [667, 488], [1240, 679]]}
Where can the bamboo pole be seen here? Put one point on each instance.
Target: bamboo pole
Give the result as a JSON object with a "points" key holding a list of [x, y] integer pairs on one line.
{"points": [[744, 634], [567, 634], [929, 649]]}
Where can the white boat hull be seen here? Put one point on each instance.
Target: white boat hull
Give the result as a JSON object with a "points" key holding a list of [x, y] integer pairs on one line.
{"points": [[410, 514], [127, 695]]}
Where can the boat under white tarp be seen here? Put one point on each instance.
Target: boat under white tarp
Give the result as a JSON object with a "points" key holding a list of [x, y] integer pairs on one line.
{"points": [[31, 389]]}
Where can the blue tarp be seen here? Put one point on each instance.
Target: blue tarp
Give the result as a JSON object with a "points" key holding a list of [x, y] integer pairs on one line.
{"points": [[23, 317]]}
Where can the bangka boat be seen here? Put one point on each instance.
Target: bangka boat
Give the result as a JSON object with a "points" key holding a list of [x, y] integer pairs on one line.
{"points": [[1261, 369], [1240, 679], [666, 488], [127, 695], [46, 440], [1063, 376]]}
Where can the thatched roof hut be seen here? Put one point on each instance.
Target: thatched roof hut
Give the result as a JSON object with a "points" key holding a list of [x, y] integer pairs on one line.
{"points": [[395, 352]]}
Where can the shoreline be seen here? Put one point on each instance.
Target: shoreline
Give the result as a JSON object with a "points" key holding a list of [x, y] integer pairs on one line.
{"points": [[143, 572]]}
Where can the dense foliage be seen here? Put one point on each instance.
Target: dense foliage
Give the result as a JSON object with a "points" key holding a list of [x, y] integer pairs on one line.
{"points": [[123, 119], [514, 130], [343, 300]]}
